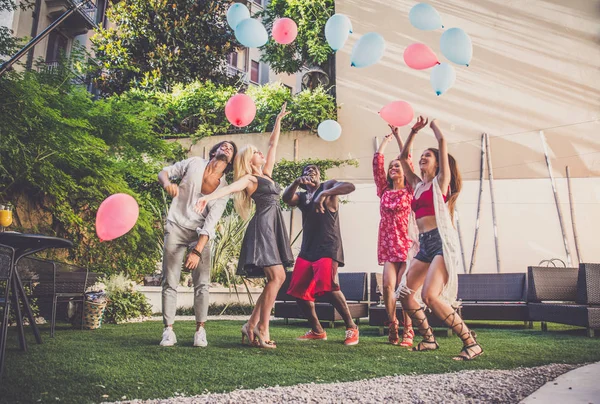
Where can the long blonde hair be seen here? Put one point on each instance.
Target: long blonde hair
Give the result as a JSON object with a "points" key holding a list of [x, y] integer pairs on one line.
{"points": [[241, 166]]}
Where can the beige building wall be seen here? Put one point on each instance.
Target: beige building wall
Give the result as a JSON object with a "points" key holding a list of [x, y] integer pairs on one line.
{"points": [[535, 67]]}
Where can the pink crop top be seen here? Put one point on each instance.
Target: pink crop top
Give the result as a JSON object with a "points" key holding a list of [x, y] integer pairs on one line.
{"points": [[423, 206]]}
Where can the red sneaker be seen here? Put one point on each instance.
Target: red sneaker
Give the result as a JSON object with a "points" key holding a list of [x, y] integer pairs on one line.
{"points": [[311, 335], [351, 336]]}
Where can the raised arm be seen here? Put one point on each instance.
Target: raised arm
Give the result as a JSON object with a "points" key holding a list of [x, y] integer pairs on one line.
{"points": [[407, 167], [290, 196], [331, 190], [237, 186], [398, 138], [444, 175], [379, 174], [273, 141]]}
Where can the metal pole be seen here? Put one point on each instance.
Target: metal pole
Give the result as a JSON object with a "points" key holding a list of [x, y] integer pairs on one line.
{"points": [[481, 170], [41, 36], [491, 181], [556, 200], [460, 240], [572, 208]]}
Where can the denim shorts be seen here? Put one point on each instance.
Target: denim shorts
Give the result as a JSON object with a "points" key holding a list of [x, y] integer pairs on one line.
{"points": [[430, 246]]}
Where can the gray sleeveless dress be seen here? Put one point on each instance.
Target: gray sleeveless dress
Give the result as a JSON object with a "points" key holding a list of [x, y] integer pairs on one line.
{"points": [[266, 242]]}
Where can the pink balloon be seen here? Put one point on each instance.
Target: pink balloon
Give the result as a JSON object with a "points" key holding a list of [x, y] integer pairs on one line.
{"points": [[397, 113], [284, 31], [420, 56], [116, 215], [240, 110]]}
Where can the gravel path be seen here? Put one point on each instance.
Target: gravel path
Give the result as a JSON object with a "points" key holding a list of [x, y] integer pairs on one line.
{"points": [[489, 386]]}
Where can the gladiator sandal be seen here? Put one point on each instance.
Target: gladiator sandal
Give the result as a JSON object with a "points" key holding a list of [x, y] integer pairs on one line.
{"points": [[393, 332], [408, 334], [428, 343], [464, 334]]}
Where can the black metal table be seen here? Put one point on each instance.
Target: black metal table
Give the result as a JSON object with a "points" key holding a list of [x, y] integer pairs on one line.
{"points": [[24, 245]]}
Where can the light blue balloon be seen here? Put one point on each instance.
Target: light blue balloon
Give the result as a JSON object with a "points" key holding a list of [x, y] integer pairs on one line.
{"points": [[456, 46], [443, 77], [368, 50], [425, 17], [337, 29], [329, 130], [236, 13], [251, 33]]}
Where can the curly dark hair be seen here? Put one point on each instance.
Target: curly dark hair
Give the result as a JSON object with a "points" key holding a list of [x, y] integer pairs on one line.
{"points": [[213, 153]]}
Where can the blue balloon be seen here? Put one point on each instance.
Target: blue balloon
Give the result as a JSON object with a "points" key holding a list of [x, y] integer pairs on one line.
{"points": [[443, 77], [425, 17], [329, 130], [456, 46], [251, 33], [337, 29], [368, 50], [236, 13]]}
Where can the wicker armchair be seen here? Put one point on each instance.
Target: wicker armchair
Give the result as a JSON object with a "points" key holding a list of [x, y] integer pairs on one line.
{"points": [[565, 295]]}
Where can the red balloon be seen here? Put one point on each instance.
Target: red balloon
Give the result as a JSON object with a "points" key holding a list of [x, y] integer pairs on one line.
{"points": [[116, 215], [240, 110], [420, 56], [284, 31], [397, 113]]}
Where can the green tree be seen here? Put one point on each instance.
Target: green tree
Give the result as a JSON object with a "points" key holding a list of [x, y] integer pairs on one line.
{"points": [[310, 47], [158, 43], [62, 154]]}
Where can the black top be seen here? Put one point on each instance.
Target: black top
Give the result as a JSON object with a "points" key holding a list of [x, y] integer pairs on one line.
{"points": [[321, 237]]}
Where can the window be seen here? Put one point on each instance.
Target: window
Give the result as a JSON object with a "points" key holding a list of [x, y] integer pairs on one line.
{"points": [[58, 45], [233, 59], [254, 71]]}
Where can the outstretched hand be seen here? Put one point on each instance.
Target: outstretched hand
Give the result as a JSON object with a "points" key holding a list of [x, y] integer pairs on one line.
{"points": [[394, 130], [420, 124], [283, 113]]}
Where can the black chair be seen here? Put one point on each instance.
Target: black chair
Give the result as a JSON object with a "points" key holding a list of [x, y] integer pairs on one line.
{"points": [[56, 281], [352, 284], [7, 255]]}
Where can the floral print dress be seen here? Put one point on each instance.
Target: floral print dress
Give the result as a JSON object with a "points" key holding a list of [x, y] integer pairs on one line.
{"points": [[393, 242]]}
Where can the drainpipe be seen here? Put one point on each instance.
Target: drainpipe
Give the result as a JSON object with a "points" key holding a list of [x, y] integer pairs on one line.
{"points": [[34, 31]]}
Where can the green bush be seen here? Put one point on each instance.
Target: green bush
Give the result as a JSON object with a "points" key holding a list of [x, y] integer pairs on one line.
{"points": [[124, 302], [197, 110]]}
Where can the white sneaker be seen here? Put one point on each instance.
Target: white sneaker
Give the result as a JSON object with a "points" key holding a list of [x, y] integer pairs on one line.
{"points": [[168, 337], [200, 338]]}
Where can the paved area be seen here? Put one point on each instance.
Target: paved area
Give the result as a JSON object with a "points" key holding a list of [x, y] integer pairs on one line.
{"points": [[581, 385]]}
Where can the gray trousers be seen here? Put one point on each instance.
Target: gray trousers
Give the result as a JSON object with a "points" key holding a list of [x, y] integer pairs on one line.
{"points": [[177, 242]]}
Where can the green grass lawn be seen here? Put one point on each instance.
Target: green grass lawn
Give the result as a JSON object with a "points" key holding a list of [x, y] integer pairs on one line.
{"points": [[119, 361]]}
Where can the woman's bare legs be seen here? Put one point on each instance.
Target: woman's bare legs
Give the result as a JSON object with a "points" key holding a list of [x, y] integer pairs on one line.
{"points": [[415, 278], [262, 311], [437, 276]]}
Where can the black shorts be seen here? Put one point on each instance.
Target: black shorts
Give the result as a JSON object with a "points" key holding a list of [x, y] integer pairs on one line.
{"points": [[430, 246]]}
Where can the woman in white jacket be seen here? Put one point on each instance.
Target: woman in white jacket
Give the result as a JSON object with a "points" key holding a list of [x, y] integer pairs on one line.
{"points": [[434, 267]]}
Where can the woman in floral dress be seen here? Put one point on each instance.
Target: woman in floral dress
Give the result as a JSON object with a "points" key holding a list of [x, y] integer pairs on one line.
{"points": [[393, 242]]}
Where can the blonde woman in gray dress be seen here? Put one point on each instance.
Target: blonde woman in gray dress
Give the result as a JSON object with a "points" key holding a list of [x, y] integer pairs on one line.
{"points": [[266, 247]]}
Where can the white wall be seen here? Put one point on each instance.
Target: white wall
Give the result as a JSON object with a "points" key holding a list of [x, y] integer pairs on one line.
{"points": [[528, 226]]}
